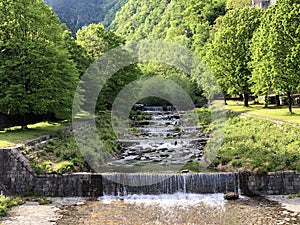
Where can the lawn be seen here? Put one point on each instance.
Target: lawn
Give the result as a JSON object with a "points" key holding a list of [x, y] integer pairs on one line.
{"points": [[272, 112], [14, 135]]}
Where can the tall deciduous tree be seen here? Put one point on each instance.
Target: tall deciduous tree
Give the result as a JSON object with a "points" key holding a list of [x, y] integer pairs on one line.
{"points": [[276, 50], [97, 40], [36, 75], [228, 56]]}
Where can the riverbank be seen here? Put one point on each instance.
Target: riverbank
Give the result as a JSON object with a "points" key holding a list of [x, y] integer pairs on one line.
{"points": [[32, 213], [192, 209]]}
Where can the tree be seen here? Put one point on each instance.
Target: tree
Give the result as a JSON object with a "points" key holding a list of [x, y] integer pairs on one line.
{"points": [[276, 50], [228, 56], [36, 75], [79, 13], [78, 54], [237, 4], [97, 41]]}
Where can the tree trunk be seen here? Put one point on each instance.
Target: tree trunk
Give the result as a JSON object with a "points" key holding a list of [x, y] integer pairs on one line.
{"points": [[277, 100], [246, 99], [225, 100], [290, 101], [24, 123], [266, 101]]}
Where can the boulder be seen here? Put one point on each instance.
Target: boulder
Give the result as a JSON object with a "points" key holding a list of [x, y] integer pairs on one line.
{"points": [[231, 196]]}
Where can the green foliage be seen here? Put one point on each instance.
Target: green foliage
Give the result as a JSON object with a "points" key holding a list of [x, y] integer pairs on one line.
{"points": [[6, 202], [97, 41], [183, 22], [36, 73], [79, 13], [237, 4], [204, 115], [276, 49], [61, 154], [260, 145], [228, 55]]}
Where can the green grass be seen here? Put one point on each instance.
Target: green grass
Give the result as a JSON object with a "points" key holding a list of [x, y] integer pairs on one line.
{"points": [[259, 145], [272, 112], [14, 135], [62, 155]]}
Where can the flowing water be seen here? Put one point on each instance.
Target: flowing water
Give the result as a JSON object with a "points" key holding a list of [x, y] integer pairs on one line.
{"points": [[146, 197], [162, 141], [137, 192], [178, 208]]}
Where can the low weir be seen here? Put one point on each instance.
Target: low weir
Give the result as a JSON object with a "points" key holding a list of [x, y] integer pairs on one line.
{"points": [[199, 183]]}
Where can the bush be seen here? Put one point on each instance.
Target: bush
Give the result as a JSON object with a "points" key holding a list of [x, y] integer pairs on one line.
{"points": [[6, 202]]}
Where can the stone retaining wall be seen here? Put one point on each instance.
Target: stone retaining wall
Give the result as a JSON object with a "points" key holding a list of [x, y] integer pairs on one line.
{"points": [[274, 183], [17, 178]]}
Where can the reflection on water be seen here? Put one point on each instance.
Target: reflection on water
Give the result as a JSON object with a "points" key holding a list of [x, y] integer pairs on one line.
{"points": [[178, 209]]}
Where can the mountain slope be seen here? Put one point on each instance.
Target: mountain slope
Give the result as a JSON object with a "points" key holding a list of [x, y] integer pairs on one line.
{"points": [[184, 22], [79, 13]]}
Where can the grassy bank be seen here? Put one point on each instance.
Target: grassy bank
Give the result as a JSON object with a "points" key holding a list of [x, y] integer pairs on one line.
{"points": [[259, 145], [272, 112], [250, 143], [14, 135], [62, 155]]}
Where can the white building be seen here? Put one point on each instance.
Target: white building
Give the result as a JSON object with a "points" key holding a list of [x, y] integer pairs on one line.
{"points": [[263, 3]]}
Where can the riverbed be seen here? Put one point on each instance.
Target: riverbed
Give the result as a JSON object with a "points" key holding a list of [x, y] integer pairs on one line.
{"points": [[159, 209]]}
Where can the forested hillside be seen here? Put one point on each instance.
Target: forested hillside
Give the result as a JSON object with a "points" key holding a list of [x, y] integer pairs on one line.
{"points": [[79, 13], [185, 22]]}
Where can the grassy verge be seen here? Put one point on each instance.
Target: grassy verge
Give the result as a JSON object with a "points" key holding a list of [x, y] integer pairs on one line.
{"points": [[259, 145], [14, 135], [6, 203], [272, 112], [61, 155]]}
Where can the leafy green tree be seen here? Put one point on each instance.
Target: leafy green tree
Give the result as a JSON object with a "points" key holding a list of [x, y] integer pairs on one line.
{"points": [[229, 54], [237, 4], [276, 50], [79, 55], [97, 41], [36, 74]]}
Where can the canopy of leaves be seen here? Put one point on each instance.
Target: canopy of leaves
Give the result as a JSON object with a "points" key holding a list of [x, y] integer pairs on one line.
{"points": [[96, 40], [79, 13], [228, 54], [276, 49], [183, 22], [237, 4], [37, 75]]}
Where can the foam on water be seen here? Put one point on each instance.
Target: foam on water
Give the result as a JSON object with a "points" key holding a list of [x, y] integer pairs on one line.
{"points": [[178, 199]]}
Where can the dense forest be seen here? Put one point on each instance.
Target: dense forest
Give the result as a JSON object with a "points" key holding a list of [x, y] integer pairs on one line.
{"points": [[79, 13], [41, 63]]}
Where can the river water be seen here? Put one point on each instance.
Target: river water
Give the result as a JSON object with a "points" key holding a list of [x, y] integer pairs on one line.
{"points": [[178, 209]]}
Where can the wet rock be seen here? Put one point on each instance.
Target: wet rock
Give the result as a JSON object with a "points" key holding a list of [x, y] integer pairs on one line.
{"points": [[156, 160], [231, 196], [164, 155], [132, 153], [184, 171]]}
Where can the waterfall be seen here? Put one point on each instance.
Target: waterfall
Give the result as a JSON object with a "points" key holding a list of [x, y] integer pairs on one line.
{"points": [[153, 108], [119, 184]]}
